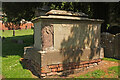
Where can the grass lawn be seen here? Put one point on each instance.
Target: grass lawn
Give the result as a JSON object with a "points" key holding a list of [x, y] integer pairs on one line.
{"points": [[12, 52], [94, 74], [111, 59], [112, 72]]}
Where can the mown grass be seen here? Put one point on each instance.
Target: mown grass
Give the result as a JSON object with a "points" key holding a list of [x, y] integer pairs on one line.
{"points": [[9, 33], [94, 74], [12, 52], [111, 59], [112, 72]]}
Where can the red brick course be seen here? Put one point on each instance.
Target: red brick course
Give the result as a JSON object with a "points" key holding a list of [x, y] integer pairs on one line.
{"points": [[53, 66], [72, 65], [54, 70], [58, 68]]}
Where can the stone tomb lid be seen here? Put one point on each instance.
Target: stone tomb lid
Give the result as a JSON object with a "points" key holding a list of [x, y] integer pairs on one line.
{"points": [[68, 15]]}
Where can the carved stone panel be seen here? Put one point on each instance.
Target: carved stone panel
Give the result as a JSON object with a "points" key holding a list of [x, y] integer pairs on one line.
{"points": [[47, 37]]}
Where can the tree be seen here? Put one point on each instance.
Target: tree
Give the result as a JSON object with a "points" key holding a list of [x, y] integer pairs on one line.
{"points": [[16, 11]]}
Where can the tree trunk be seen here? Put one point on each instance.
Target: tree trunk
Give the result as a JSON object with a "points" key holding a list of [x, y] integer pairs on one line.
{"points": [[13, 32]]}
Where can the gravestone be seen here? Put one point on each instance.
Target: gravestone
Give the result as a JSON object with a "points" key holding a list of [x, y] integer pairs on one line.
{"points": [[20, 42], [0, 38], [3, 38]]}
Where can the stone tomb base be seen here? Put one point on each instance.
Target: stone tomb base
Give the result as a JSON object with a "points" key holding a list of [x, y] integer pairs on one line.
{"points": [[52, 63]]}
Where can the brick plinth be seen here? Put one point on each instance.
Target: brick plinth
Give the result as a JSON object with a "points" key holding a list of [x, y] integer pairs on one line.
{"points": [[61, 69]]}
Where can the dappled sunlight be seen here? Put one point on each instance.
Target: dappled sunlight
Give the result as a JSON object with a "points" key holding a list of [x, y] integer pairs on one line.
{"points": [[81, 44], [82, 37]]}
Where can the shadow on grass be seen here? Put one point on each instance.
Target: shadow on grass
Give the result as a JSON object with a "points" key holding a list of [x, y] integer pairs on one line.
{"points": [[26, 64], [11, 47]]}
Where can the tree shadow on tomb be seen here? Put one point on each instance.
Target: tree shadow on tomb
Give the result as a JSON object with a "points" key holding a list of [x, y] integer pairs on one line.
{"points": [[81, 45]]}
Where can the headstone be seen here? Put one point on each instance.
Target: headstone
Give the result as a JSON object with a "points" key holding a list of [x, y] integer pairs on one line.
{"points": [[14, 41], [101, 53], [2, 30], [13, 32], [20, 42], [3, 38]]}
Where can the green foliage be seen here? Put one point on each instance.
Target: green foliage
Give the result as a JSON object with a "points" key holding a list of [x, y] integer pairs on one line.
{"points": [[73, 6], [108, 25], [4, 19], [52, 6], [16, 11], [109, 12]]}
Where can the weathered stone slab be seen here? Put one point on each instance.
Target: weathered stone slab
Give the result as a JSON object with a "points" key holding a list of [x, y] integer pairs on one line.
{"points": [[32, 54]]}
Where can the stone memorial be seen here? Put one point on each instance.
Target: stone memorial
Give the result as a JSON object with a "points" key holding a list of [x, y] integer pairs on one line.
{"points": [[64, 41]]}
